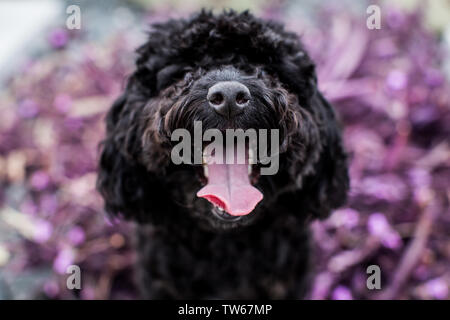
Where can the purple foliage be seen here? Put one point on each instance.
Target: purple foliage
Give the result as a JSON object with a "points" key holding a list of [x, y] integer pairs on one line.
{"points": [[394, 104]]}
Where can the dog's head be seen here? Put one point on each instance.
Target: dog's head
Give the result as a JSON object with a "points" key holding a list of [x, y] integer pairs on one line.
{"points": [[224, 72]]}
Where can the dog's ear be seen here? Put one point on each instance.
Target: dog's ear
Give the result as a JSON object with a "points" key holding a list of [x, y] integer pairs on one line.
{"points": [[327, 188], [324, 180], [128, 188], [298, 72]]}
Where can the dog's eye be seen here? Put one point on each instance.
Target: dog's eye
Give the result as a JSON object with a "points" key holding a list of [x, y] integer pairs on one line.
{"points": [[168, 75]]}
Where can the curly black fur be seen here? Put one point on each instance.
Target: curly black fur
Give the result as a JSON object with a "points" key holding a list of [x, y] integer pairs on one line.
{"points": [[185, 251]]}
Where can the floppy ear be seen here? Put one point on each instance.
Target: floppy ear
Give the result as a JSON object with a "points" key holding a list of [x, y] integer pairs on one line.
{"points": [[297, 71], [128, 188], [323, 178], [327, 188]]}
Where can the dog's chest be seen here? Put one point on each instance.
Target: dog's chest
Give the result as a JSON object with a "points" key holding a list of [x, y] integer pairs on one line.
{"points": [[269, 264]]}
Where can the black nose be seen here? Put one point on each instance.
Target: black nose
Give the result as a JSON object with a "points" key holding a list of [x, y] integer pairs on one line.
{"points": [[228, 98]]}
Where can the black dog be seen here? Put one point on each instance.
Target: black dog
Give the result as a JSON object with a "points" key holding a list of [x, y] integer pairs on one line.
{"points": [[187, 247]]}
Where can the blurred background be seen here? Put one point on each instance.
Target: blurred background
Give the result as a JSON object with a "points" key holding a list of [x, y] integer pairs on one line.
{"points": [[390, 87]]}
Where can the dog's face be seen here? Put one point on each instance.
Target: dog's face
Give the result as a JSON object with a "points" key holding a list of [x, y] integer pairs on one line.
{"points": [[224, 98], [265, 84]]}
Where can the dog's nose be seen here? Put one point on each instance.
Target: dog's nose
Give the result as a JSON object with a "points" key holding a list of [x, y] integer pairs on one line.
{"points": [[228, 98]]}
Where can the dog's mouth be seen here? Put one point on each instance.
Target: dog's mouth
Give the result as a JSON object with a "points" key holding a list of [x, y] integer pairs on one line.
{"points": [[230, 183], [221, 214]]}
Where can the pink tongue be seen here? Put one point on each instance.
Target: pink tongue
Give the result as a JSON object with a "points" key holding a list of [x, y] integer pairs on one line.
{"points": [[229, 188]]}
